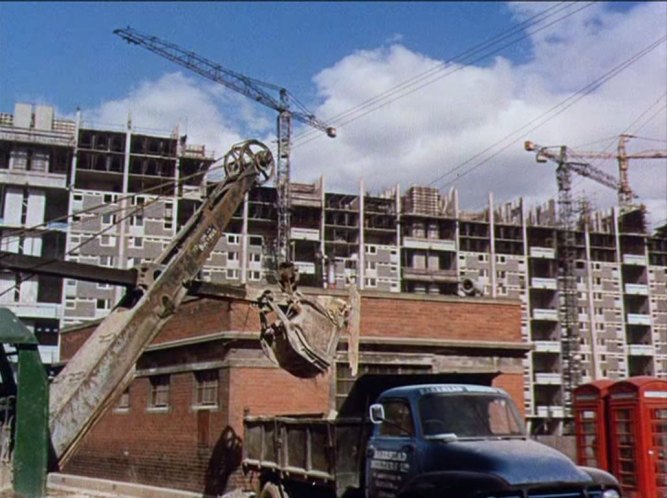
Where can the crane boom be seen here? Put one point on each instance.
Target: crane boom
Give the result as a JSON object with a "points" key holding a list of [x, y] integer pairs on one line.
{"points": [[256, 90], [104, 365]]}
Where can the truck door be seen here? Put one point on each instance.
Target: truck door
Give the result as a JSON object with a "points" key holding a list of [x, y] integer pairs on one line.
{"points": [[391, 459]]}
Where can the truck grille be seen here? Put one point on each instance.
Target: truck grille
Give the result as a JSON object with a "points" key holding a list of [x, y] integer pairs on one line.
{"points": [[593, 493]]}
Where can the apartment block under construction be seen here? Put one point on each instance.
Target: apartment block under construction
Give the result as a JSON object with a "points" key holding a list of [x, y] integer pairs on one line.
{"points": [[115, 197]]}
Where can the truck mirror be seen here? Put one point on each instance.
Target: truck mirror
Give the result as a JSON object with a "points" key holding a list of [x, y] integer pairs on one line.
{"points": [[377, 413]]}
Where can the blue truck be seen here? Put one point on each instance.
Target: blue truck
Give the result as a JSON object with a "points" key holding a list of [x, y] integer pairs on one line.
{"points": [[418, 441]]}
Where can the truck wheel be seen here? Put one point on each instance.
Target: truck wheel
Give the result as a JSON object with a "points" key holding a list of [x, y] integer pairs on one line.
{"points": [[271, 490]]}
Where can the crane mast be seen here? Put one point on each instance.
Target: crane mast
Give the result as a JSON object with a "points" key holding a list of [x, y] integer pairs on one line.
{"points": [[258, 91], [567, 255]]}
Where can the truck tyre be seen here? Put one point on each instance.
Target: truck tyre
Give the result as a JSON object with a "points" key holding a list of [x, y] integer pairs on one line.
{"points": [[271, 490]]}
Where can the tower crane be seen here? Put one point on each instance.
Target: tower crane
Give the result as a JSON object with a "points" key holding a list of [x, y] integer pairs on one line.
{"points": [[567, 282], [259, 91], [570, 161], [625, 193]]}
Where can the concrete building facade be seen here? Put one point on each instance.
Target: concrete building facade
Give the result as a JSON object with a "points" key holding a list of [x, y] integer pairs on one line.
{"points": [[419, 241]]}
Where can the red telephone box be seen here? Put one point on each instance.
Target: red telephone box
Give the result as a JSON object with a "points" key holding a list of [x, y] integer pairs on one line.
{"points": [[638, 428], [591, 427]]}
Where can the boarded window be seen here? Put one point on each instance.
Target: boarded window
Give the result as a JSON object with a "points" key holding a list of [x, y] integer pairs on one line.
{"points": [[159, 397], [206, 388], [124, 401]]}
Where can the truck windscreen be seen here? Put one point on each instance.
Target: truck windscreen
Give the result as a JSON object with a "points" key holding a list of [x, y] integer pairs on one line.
{"points": [[469, 415]]}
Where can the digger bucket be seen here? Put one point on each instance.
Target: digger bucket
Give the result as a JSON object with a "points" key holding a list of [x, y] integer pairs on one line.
{"points": [[301, 334]]}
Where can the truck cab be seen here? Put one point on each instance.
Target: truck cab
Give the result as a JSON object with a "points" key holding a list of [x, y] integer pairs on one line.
{"points": [[465, 441]]}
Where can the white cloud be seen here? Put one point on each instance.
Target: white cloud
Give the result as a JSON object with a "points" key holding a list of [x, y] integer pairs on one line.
{"points": [[419, 138], [175, 100]]}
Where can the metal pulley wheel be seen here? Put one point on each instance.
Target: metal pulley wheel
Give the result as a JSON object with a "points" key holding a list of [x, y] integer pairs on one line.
{"points": [[249, 154]]}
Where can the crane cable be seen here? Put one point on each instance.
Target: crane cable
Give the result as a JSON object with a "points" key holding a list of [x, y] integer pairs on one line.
{"points": [[132, 212], [431, 76], [93, 209], [547, 115], [611, 141]]}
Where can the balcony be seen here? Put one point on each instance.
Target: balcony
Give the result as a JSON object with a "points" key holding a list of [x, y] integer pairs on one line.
{"points": [[549, 379], [305, 267], [543, 252], [57, 226], [49, 354], [638, 319], [546, 346], [549, 411], [634, 259], [636, 289], [429, 244], [312, 234], [35, 310], [641, 350], [544, 283], [545, 314], [428, 275], [33, 178]]}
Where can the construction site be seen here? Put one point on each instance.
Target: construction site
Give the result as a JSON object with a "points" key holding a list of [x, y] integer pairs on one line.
{"points": [[400, 288]]}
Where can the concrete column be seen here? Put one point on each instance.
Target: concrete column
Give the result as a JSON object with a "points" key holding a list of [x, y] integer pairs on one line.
{"points": [[594, 366], [244, 240], [492, 247], [361, 269], [399, 236]]}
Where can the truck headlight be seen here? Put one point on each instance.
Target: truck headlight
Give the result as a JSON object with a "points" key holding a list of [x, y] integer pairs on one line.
{"points": [[611, 493]]}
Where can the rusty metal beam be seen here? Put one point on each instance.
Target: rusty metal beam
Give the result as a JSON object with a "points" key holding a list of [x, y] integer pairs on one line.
{"points": [[67, 269], [103, 275]]}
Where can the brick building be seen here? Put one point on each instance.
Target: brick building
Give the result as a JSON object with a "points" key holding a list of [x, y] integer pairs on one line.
{"points": [[180, 423]]}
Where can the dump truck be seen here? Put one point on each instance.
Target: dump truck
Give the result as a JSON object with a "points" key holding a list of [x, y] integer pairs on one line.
{"points": [[416, 441]]}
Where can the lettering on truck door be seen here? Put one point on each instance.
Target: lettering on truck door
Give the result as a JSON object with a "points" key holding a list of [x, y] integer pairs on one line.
{"points": [[391, 454]]}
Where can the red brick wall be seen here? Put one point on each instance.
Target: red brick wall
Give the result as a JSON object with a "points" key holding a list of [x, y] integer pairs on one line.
{"points": [[273, 392], [380, 317], [440, 319], [161, 448], [513, 384], [170, 449]]}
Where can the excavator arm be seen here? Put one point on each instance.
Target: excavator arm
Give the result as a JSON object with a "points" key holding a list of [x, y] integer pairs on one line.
{"points": [[104, 366]]}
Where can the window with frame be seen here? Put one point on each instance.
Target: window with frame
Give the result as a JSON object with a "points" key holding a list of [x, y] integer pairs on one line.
{"points": [[108, 219], [206, 388], [123, 403], [107, 241], [398, 419], [159, 394], [102, 304]]}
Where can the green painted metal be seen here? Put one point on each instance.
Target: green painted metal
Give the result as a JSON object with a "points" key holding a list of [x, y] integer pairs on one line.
{"points": [[31, 448], [31, 437], [12, 331]]}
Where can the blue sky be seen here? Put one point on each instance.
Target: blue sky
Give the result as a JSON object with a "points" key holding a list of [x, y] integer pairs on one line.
{"points": [[65, 53], [462, 128]]}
